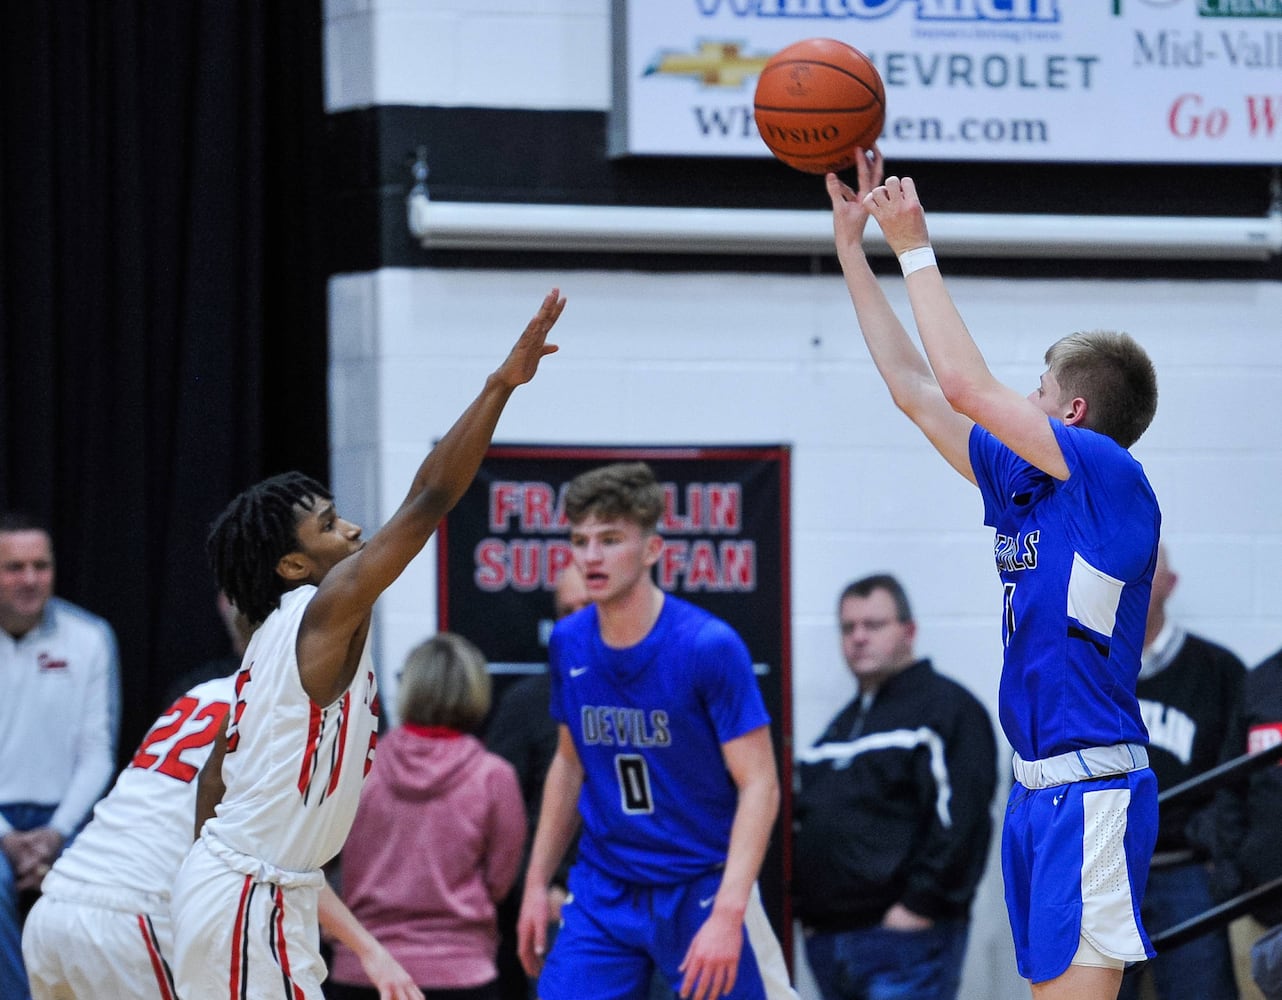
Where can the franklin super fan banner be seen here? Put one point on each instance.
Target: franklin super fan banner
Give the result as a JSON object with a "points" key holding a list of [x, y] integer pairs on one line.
{"points": [[725, 530]]}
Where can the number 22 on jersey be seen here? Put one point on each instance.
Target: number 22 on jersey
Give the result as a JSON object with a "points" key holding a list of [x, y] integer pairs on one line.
{"points": [[186, 726]]}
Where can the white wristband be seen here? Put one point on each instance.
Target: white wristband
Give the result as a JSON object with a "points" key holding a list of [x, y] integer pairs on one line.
{"points": [[916, 259]]}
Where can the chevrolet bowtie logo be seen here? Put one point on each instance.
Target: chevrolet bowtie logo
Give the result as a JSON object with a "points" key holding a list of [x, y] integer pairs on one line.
{"points": [[716, 64]]}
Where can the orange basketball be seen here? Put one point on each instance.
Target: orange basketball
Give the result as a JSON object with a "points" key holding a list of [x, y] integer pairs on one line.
{"points": [[817, 101]]}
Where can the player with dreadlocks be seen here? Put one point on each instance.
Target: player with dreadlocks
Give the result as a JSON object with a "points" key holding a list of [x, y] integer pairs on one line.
{"points": [[277, 797]]}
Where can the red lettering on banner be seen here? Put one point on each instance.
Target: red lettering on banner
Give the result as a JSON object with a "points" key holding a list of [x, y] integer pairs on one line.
{"points": [[725, 508], [534, 508], [527, 565], [537, 513], [491, 560], [739, 565], [1264, 112], [505, 501], [559, 557], [672, 562], [1187, 120], [715, 508], [523, 564], [534, 505], [702, 566]]}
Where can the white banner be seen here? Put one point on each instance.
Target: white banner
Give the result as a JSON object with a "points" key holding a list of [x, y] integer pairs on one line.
{"points": [[1126, 81]]}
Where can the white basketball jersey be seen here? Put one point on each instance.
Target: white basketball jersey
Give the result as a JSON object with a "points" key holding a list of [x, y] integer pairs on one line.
{"points": [[293, 770], [141, 831]]}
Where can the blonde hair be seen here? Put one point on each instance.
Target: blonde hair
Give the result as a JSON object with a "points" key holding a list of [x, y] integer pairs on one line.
{"points": [[1114, 375], [625, 490], [445, 683]]}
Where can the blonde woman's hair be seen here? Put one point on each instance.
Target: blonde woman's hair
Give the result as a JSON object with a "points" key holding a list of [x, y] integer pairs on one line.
{"points": [[445, 683]]}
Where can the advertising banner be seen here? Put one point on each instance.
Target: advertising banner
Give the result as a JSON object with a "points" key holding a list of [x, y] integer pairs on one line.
{"points": [[1120, 81], [725, 528]]}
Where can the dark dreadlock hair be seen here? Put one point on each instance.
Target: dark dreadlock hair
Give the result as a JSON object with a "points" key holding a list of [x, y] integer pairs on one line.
{"points": [[248, 538]]}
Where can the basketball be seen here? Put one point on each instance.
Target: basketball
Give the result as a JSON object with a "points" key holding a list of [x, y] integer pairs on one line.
{"points": [[817, 101]]}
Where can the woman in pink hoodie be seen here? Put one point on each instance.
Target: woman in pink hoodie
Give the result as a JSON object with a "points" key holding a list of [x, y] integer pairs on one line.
{"points": [[438, 835]]}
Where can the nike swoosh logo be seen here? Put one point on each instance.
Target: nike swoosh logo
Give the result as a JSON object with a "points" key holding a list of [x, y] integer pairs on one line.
{"points": [[705, 903], [576, 671]]}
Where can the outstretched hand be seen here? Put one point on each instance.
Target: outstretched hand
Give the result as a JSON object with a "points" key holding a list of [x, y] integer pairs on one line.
{"points": [[898, 211], [849, 213], [532, 347]]}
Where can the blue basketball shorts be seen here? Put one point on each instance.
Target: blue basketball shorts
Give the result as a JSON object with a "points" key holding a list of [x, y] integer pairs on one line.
{"points": [[1075, 861], [615, 934]]}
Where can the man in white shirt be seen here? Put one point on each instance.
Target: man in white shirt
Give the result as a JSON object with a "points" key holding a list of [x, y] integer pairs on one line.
{"points": [[59, 712]]}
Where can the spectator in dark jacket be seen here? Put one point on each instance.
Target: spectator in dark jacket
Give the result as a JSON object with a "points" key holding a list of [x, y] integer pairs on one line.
{"points": [[1248, 848], [1189, 690], [893, 815]]}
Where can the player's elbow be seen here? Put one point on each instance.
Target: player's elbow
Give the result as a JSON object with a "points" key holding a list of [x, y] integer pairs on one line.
{"points": [[918, 399], [963, 394]]}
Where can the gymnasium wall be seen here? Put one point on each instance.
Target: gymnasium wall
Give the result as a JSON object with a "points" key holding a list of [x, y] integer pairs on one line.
{"points": [[510, 95]]}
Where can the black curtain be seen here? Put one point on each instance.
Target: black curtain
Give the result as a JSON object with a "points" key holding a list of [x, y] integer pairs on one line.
{"points": [[162, 296]]}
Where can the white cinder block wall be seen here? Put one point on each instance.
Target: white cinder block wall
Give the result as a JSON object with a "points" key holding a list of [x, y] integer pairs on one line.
{"points": [[714, 359]]}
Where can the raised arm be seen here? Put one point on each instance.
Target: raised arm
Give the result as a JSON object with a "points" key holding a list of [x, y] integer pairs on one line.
{"points": [[712, 960], [958, 366], [327, 654], [905, 371]]}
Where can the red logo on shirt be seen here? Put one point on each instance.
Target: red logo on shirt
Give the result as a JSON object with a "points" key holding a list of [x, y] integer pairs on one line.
{"points": [[47, 662], [1262, 737]]}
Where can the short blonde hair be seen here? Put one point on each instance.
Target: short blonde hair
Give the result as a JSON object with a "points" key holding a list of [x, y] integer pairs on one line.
{"points": [[445, 683], [624, 490], [1114, 375]]}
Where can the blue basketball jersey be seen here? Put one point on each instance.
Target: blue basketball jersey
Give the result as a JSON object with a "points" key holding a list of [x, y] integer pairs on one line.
{"points": [[648, 723], [1076, 563]]}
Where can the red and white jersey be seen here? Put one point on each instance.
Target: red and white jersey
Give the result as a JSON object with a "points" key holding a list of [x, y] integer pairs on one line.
{"points": [[141, 831], [294, 769]]}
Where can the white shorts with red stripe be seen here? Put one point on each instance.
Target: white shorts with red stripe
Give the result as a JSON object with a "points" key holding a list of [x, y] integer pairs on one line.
{"points": [[244, 935], [75, 950]]}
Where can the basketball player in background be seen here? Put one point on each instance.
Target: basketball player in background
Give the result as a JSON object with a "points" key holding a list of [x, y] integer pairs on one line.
{"points": [[1077, 531], [101, 925], [523, 733], [664, 755], [276, 799]]}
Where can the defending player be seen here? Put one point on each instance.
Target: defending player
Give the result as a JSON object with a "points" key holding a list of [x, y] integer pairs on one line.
{"points": [[101, 926], [664, 744], [277, 797], [1077, 529]]}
